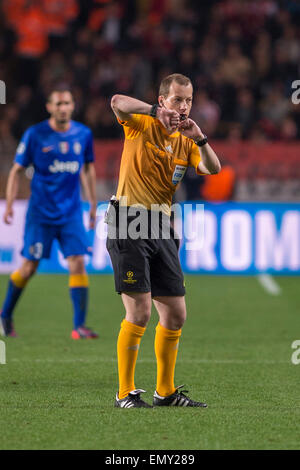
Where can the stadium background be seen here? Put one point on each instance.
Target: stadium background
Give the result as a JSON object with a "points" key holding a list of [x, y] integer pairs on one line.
{"points": [[238, 348], [242, 56]]}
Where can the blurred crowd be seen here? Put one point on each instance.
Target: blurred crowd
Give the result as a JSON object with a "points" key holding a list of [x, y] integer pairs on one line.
{"points": [[241, 55]]}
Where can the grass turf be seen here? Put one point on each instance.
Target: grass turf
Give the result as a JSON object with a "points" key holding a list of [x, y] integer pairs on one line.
{"points": [[235, 354]]}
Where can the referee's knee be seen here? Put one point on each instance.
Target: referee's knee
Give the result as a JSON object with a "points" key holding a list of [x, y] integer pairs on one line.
{"points": [[138, 307], [138, 314], [138, 317], [173, 320]]}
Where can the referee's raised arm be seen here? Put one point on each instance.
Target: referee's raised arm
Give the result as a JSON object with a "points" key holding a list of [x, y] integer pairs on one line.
{"points": [[124, 106]]}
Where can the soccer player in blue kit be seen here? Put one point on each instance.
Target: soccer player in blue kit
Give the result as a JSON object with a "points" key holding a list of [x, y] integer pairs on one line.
{"points": [[58, 149]]}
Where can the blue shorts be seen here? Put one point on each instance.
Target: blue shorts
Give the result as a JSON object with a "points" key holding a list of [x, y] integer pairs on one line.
{"points": [[38, 238]]}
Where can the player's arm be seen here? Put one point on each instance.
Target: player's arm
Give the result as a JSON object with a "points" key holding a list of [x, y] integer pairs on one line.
{"points": [[12, 190], [209, 163], [124, 106], [89, 182]]}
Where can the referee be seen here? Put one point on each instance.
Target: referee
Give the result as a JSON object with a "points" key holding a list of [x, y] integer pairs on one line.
{"points": [[161, 141]]}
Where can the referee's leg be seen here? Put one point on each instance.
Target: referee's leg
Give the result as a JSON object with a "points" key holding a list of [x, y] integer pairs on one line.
{"points": [[172, 315], [138, 311]]}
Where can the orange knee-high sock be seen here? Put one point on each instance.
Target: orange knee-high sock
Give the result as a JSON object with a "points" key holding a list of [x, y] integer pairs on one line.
{"points": [[128, 346], [166, 348], [18, 280], [15, 288]]}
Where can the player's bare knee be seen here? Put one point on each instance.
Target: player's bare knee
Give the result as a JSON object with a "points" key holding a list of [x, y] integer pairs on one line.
{"points": [[76, 264], [28, 269]]}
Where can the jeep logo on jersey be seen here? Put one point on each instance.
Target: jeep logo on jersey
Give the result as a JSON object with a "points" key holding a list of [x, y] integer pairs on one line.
{"points": [[77, 148], [61, 167], [64, 147], [178, 174]]}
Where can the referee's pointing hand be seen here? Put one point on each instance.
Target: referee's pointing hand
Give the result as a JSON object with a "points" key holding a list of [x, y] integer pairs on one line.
{"points": [[169, 118]]}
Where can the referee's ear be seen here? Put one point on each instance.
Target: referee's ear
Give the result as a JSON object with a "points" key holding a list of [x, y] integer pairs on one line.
{"points": [[161, 101]]}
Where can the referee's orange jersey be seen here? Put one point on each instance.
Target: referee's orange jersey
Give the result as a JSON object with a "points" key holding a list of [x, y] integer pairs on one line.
{"points": [[153, 162]]}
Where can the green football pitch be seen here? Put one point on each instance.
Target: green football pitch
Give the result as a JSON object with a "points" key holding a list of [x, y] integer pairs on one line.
{"points": [[235, 353]]}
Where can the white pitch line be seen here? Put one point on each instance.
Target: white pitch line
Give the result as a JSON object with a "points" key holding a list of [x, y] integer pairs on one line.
{"points": [[269, 284], [151, 361]]}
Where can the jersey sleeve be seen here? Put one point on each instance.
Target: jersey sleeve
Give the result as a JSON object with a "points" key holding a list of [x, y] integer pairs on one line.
{"points": [[195, 158], [89, 156], [137, 124], [24, 150]]}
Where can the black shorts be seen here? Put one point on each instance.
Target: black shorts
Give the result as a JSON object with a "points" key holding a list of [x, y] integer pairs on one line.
{"points": [[147, 265]]}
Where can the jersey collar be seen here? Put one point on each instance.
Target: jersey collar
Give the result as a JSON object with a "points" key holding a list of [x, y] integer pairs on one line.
{"points": [[61, 132]]}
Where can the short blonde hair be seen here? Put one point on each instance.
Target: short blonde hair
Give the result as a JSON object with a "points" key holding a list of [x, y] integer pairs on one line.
{"points": [[164, 87]]}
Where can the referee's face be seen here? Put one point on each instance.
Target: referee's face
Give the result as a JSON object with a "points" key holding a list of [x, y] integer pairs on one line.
{"points": [[61, 106], [179, 99]]}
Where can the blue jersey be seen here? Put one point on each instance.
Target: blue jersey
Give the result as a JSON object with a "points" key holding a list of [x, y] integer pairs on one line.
{"points": [[57, 158]]}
